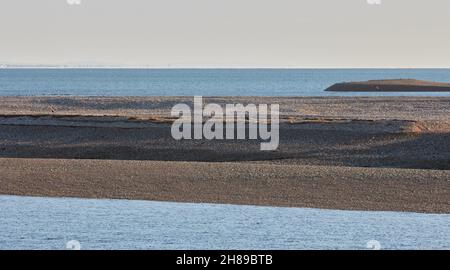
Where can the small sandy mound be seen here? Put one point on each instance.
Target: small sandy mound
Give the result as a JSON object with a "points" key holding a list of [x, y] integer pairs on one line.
{"points": [[420, 127]]}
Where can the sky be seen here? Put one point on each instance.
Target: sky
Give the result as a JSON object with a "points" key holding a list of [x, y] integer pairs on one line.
{"points": [[226, 33]]}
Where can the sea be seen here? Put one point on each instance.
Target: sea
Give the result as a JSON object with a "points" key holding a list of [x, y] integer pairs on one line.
{"points": [[70, 223], [203, 82]]}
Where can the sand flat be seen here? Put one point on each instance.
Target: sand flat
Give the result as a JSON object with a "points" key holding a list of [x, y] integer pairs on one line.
{"points": [[232, 183], [381, 153], [406, 108]]}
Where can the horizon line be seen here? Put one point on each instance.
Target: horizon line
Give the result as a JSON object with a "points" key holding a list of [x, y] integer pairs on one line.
{"points": [[8, 66]]}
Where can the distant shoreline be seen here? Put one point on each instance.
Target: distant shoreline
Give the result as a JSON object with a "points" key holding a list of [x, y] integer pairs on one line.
{"points": [[392, 86], [224, 67]]}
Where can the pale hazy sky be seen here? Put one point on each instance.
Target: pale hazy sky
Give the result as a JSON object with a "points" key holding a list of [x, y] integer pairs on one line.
{"points": [[226, 33]]}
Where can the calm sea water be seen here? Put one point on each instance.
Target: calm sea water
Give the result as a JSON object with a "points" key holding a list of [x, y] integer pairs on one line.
{"points": [[205, 82], [49, 223]]}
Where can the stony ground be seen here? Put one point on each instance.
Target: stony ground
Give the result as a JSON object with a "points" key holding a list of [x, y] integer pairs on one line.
{"points": [[344, 153]]}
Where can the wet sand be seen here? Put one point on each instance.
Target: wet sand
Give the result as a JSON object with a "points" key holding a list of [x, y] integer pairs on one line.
{"points": [[338, 153]]}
